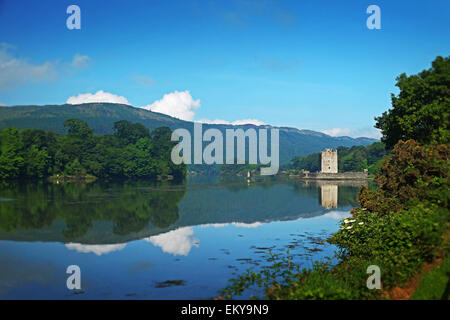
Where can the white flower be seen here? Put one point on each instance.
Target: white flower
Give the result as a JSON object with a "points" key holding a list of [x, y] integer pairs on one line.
{"points": [[361, 223], [352, 220], [346, 221], [348, 228]]}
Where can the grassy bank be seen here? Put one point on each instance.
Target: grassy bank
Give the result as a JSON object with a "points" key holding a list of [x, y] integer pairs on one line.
{"points": [[435, 283]]}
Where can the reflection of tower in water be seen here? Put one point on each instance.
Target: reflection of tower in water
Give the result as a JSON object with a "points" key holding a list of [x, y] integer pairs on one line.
{"points": [[328, 196]]}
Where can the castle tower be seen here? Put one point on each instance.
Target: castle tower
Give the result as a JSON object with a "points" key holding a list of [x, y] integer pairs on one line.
{"points": [[329, 161]]}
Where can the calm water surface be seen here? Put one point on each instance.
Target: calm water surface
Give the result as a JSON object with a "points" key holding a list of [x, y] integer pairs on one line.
{"points": [[141, 240]]}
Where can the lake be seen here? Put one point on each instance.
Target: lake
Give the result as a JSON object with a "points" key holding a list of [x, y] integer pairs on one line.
{"points": [[147, 240]]}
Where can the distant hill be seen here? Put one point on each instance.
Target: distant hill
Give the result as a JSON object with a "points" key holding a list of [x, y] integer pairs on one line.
{"points": [[101, 117]]}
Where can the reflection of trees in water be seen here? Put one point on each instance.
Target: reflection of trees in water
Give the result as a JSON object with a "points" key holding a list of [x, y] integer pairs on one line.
{"points": [[346, 196], [238, 184], [346, 190], [131, 206], [26, 206], [309, 189]]}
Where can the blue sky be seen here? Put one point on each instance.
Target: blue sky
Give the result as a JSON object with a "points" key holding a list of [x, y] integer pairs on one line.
{"points": [[306, 64]]}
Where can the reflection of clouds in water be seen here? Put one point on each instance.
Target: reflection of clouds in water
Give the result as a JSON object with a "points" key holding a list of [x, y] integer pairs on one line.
{"points": [[176, 242], [98, 249], [236, 224], [247, 225], [337, 215], [213, 225]]}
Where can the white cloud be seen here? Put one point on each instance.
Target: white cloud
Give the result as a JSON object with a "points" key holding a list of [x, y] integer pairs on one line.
{"points": [[80, 61], [248, 121], [176, 242], [99, 96], [367, 131], [15, 72], [337, 132], [181, 105], [235, 123], [98, 249], [216, 121], [2, 105], [178, 104]]}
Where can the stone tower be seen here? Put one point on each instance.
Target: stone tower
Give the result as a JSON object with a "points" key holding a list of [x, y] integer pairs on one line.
{"points": [[329, 161]]}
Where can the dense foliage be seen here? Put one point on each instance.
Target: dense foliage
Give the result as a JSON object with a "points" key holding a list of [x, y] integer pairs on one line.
{"points": [[412, 174], [421, 109], [356, 158], [401, 224], [131, 152]]}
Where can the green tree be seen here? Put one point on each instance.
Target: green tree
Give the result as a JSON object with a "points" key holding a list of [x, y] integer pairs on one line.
{"points": [[130, 132], [78, 128], [37, 162], [130, 153], [421, 109], [74, 168], [11, 159], [412, 172], [162, 145]]}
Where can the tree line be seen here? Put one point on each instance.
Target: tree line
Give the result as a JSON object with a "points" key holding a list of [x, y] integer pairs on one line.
{"points": [[132, 151]]}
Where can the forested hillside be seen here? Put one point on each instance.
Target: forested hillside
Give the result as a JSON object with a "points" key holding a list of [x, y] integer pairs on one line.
{"points": [[131, 152], [102, 116]]}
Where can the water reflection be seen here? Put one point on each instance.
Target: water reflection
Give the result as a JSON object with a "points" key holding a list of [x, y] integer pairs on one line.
{"points": [[98, 249], [69, 212], [329, 196], [153, 241], [176, 242], [329, 192], [87, 216]]}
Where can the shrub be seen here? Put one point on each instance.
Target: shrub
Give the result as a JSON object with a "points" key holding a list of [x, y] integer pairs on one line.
{"points": [[398, 243], [411, 174]]}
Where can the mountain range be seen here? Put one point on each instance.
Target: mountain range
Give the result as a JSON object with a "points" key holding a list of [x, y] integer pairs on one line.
{"points": [[101, 117]]}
